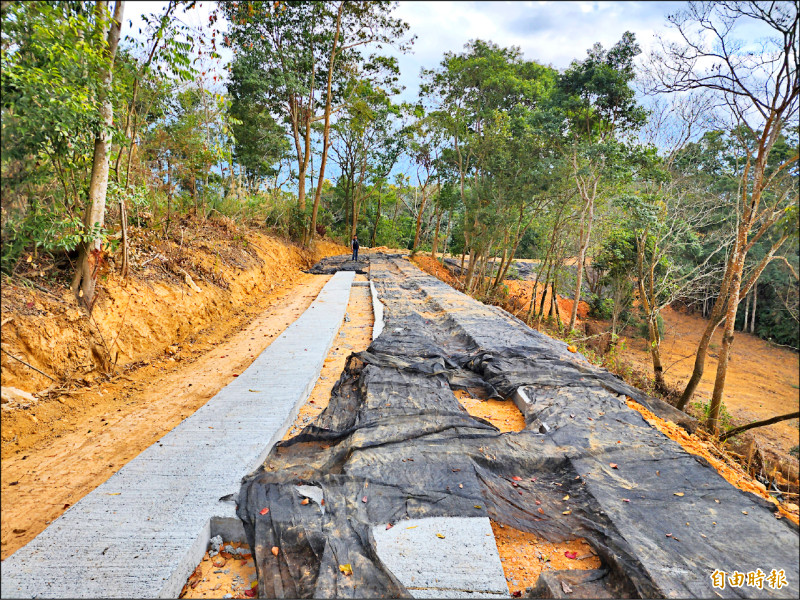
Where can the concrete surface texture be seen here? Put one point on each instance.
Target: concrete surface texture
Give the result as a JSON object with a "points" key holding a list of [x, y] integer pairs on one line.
{"points": [[141, 533], [443, 557]]}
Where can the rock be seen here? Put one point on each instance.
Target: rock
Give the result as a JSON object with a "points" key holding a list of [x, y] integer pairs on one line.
{"points": [[216, 542], [228, 596], [231, 550], [16, 397]]}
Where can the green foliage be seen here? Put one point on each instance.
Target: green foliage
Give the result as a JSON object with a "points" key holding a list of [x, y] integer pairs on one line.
{"points": [[643, 329], [601, 308], [703, 410], [596, 93], [44, 230]]}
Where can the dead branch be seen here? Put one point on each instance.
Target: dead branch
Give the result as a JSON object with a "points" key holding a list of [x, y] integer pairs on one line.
{"points": [[27, 364], [755, 424]]}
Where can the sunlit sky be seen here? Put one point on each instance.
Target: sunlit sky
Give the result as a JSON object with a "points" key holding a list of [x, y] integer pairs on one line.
{"points": [[553, 33]]}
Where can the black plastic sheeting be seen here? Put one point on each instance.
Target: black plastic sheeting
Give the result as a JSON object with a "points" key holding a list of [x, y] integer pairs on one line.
{"points": [[331, 264], [394, 443]]}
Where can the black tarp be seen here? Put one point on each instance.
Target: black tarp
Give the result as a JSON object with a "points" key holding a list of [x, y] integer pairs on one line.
{"points": [[395, 435]]}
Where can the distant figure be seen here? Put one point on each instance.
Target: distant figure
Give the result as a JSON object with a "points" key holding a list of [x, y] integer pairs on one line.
{"points": [[354, 244]]}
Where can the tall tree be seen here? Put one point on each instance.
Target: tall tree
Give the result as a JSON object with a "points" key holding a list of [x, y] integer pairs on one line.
{"points": [[85, 278], [477, 98], [600, 106], [757, 98], [307, 54]]}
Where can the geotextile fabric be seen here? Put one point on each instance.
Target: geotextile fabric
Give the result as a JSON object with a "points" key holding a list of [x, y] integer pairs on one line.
{"points": [[394, 443]]}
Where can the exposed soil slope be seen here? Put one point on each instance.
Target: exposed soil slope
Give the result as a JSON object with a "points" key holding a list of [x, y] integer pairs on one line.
{"points": [[73, 438], [763, 379]]}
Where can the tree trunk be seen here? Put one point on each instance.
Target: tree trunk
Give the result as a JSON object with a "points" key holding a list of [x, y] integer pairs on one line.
{"points": [[377, 217], [436, 233], [347, 204], [532, 305], [326, 133], [655, 352], [584, 238], [303, 166], [718, 315], [123, 217], [419, 220], [554, 305], [727, 340], [473, 258], [754, 424], [357, 196], [746, 312], [169, 195], [85, 279], [755, 300], [501, 268], [447, 233]]}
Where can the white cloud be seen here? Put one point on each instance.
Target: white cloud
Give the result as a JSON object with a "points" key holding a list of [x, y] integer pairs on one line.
{"points": [[552, 33]]}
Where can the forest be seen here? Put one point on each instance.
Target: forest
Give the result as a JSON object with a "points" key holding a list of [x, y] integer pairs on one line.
{"points": [[635, 181]]}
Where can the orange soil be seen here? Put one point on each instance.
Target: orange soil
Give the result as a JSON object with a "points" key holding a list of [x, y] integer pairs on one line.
{"points": [[223, 574], [525, 555], [503, 414], [432, 267], [762, 380], [72, 439], [519, 299]]}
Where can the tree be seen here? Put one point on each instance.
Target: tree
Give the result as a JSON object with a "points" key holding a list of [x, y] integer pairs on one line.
{"points": [[285, 43], [480, 100], [290, 44], [757, 97], [51, 51], [667, 216], [424, 149], [89, 256], [600, 106], [260, 141]]}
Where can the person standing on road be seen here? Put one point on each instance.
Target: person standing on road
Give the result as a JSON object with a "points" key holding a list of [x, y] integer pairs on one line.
{"points": [[354, 244]]}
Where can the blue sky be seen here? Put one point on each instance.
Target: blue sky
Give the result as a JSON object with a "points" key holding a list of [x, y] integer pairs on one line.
{"points": [[551, 33]]}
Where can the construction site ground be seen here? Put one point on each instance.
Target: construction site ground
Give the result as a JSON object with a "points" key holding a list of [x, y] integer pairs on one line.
{"points": [[71, 440]]}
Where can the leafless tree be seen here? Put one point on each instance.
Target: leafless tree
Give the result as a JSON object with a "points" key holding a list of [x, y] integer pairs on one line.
{"points": [[755, 89]]}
